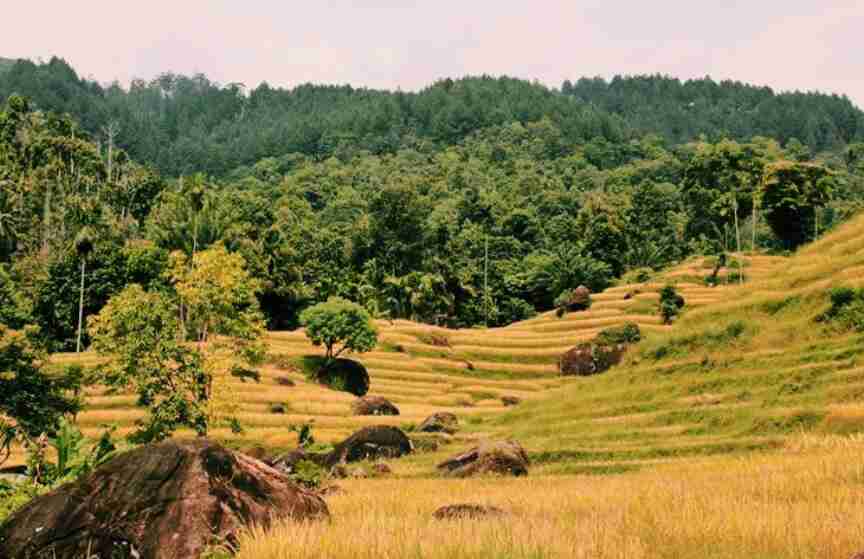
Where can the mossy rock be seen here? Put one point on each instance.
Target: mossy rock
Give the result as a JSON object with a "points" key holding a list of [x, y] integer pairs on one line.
{"points": [[346, 375]]}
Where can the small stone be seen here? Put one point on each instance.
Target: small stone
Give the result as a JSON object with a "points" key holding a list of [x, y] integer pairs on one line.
{"points": [[471, 511]]}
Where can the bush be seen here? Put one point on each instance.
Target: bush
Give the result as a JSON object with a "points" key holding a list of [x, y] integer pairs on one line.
{"points": [[600, 354], [629, 333], [670, 303], [307, 473], [847, 308], [841, 297], [590, 359], [15, 496], [573, 300], [637, 275], [34, 400]]}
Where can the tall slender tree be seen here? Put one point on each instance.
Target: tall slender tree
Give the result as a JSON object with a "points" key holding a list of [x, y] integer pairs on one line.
{"points": [[83, 247]]}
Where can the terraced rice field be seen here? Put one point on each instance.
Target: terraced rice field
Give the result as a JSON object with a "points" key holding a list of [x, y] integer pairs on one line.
{"points": [[744, 372], [421, 368]]}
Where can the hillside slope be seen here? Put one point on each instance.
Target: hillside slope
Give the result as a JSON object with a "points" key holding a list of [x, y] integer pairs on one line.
{"points": [[425, 369], [740, 374]]}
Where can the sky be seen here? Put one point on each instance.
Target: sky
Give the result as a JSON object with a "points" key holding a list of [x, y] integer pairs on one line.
{"points": [[408, 44]]}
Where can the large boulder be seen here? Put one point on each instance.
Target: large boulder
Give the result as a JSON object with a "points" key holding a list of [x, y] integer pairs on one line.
{"points": [[160, 501], [373, 405], [441, 422], [346, 375], [489, 457], [590, 358], [377, 441]]}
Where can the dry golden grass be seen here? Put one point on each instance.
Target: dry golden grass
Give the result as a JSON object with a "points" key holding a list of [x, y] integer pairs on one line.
{"points": [[805, 502]]}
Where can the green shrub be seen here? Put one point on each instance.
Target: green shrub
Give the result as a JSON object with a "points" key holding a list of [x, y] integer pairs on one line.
{"points": [[15, 496], [670, 303], [590, 359], [841, 297], [638, 275], [628, 333], [572, 300], [307, 473], [847, 309], [304, 434]]}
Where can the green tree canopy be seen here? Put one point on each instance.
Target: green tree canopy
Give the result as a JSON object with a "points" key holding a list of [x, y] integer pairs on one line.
{"points": [[32, 401], [339, 325], [791, 192], [183, 383]]}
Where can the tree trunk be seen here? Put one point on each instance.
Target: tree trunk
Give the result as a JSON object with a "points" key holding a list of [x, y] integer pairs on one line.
{"points": [[46, 215], [815, 224], [80, 308], [738, 242], [753, 236]]}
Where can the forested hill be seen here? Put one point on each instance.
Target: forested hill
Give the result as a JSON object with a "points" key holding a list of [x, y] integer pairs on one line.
{"points": [[6, 64], [681, 111], [480, 201], [184, 124]]}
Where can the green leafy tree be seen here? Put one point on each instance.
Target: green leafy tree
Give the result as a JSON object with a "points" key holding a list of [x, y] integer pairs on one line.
{"points": [[32, 401], [720, 183], [15, 310], [183, 383], [671, 303], [339, 325], [790, 195]]}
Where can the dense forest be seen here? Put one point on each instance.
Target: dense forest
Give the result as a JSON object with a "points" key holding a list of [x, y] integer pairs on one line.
{"points": [[182, 125], [474, 201]]}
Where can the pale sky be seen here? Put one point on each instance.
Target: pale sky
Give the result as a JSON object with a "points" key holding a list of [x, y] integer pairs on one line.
{"points": [[785, 44]]}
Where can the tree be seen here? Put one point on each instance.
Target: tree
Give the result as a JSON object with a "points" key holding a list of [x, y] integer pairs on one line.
{"points": [[83, 248], [418, 296], [183, 383], [15, 311], [338, 322], [139, 331], [671, 303], [791, 191], [32, 401], [719, 184]]}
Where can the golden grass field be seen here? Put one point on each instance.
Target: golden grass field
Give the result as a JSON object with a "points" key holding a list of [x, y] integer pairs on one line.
{"points": [[732, 433], [797, 503]]}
